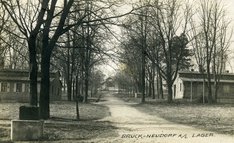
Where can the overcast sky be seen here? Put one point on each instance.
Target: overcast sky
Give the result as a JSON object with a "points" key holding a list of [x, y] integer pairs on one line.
{"points": [[230, 12]]}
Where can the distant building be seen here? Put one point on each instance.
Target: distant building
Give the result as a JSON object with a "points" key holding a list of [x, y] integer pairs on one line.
{"points": [[110, 84], [14, 86], [190, 85]]}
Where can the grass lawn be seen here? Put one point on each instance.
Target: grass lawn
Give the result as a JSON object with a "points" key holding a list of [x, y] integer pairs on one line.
{"points": [[218, 117], [63, 126]]}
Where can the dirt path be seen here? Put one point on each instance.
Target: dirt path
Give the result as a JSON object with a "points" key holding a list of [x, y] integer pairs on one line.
{"points": [[136, 126]]}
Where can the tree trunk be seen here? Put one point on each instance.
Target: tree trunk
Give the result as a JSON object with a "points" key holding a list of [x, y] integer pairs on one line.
{"points": [[86, 70], [170, 92], [150, 88], [143, 77], [161, 85], [45, 84], [216, 89], [86, 78], [158, 85], [73, 89], [82, 82], [33, 71], [45, 78], [153, 83], [77, 99], [143, 62], [153, 89], [72, 72], [69, 88], [210, 99], [69, 83], [150, 82]]}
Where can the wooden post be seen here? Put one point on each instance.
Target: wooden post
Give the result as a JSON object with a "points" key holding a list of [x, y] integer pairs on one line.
{"points": [[191, 91], [203, 92]]}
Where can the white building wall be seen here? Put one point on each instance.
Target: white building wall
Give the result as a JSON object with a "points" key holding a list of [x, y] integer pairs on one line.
{"points": [[178, 84]]}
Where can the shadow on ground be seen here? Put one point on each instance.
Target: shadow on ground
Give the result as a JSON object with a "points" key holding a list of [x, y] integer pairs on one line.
{"points": [[78, 130], [68, 130], [217, 118]]}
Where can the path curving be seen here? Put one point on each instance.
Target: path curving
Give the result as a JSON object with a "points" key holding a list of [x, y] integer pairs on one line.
{"points": [[136, 126]]}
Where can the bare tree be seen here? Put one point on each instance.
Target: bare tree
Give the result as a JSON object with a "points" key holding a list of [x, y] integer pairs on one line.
{"points": [[131, 57], [52, 19], [210, 42], [29, 21], [168, 19], [137, 28], [220, 54], [52, 33]]}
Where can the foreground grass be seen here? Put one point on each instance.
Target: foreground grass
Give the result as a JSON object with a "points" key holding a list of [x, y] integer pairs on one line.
{"points": [[63, 126], [218, 117]]}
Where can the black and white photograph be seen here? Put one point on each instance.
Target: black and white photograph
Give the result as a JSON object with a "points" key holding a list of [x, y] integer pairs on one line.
{"points": [[116, 71]]}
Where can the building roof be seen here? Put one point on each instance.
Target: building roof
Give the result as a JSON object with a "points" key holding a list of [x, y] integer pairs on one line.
{"points": [[201, 80], [19, 75], [199, 77], [196, 72]]}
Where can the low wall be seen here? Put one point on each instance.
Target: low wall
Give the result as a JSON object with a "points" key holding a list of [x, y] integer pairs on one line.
{"points": [[26, 130]]}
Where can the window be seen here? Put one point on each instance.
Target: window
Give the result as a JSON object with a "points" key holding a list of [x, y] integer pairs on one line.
{"points": [[226, 88], [26, 87], [180, 86], [4, 87], [18, 87]]}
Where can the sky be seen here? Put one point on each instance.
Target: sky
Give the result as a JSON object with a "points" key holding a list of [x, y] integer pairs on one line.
{"points": [[110, 68], [230, 13]]}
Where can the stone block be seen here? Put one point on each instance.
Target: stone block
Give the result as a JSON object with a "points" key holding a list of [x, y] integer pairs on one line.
{"points": [[26, 130], [29, 113]]}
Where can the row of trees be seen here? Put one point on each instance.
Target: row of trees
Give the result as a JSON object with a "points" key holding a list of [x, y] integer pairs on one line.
{"points": [[166, 35], [161, 35], [211, 42], [83, 50], [69, 30]]}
